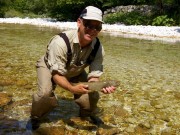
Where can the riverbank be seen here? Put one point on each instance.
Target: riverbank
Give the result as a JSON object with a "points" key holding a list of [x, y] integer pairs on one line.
{"points": [[163, 33]]}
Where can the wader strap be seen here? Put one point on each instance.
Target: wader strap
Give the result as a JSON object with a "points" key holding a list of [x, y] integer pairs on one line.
{"points": [[69, 53], [93, 52]]}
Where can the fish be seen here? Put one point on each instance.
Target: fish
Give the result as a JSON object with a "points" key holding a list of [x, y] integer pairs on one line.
{"points": [[99, 85]]}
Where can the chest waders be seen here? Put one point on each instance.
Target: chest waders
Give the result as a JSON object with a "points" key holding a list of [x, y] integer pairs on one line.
{"points": [[42, 105], [69, 52]]}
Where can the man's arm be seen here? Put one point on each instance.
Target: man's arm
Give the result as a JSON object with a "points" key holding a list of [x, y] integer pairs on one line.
{"points": [[64, 83]]}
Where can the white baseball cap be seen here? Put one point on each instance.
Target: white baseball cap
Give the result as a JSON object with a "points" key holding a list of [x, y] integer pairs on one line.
{"points": [[92, 13]]}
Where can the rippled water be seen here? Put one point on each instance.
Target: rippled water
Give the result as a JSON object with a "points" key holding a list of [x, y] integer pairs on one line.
{"points": [[148, 98]]}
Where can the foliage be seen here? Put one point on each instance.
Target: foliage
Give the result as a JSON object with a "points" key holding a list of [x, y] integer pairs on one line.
{"points": [[132, 18], [69, 10], [14, 13], [38, 7], [21, 5], [163, 20], [4, 7], [64, 9], [113, 3], [26, 6], [2, 11]]}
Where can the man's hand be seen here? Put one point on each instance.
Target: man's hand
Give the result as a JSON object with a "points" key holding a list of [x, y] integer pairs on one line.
{"points": [[79, 89], [108, 90], [64, 83]]}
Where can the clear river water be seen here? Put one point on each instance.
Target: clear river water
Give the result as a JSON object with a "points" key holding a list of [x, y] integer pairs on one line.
{"points": [[147, 101]]}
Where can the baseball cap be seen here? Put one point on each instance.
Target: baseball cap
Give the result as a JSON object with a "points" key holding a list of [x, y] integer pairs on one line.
{"points": [[92, 13]]}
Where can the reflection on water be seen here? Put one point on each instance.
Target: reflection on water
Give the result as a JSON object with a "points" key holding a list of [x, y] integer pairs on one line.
{"points": [[148, 100]]}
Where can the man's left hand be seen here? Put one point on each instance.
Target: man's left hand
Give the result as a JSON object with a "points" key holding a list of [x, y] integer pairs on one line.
{"points": [[108, 90]]}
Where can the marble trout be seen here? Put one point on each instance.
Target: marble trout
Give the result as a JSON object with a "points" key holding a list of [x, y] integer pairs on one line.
{"points": [[98, 86]]}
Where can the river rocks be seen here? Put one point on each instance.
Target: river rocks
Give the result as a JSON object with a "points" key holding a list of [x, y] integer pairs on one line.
{"points": [[19, 109], [4, 99], [55, 130], [7, 82], [21, 82], [131, 120], [141, 130], [177, 95], [144, 9], [107, 130], [120, 111], [147, 101], [145, 125]]}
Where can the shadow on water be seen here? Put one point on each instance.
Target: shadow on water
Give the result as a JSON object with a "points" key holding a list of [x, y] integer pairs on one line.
{"points": [[66, 109], [10, 126], [66, 113]]}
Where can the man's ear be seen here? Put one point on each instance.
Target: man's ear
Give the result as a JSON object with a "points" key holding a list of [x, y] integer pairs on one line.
{"points": [[78, 22]]}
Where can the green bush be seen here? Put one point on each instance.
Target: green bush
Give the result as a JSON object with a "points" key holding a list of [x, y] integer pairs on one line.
{"points": [[112, 18], [132, 18], [3, 8], [135, 18], [1, 14], [163, 20], [15, 13]]}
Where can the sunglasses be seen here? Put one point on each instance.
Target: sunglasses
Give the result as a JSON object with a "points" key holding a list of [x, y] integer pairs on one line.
{"points": [[88, 25]]}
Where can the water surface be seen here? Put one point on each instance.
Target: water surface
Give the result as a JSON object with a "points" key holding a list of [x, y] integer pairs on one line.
{"points": [[147, 101]]}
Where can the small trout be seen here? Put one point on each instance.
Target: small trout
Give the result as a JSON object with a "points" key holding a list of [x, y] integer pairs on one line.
{"points": [[98, 86]]}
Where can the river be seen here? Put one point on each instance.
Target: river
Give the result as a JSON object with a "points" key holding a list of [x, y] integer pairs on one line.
{"points": [[147, 101]]}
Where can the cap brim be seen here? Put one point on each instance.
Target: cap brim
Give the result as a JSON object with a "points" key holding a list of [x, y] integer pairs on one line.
{"points": [[92, 18]]}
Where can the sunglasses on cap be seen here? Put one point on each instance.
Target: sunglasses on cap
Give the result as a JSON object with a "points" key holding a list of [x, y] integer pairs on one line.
{"points": [[87, 24]]}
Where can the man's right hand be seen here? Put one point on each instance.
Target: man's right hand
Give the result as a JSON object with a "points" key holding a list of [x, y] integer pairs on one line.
{"points": [[79, 89], [64, 83]]}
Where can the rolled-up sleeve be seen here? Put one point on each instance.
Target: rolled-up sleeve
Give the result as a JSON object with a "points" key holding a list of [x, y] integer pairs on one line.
{"points": [[96, 67], [57, 56]]}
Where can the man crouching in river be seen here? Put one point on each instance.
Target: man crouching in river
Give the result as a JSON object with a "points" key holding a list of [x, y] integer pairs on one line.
{"points": [[67, 55]]}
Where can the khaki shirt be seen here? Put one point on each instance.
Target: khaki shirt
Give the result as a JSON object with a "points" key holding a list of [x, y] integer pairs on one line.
{"points": [[56, 56]]}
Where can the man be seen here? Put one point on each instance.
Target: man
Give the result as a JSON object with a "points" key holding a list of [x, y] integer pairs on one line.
{"points": [[66, 58]]}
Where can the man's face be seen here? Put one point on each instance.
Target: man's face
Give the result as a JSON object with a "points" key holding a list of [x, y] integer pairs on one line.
{"points": [[89, 29]]}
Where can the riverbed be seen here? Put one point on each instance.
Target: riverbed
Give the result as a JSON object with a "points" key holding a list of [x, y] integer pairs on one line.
{"points": [[146, 102]]}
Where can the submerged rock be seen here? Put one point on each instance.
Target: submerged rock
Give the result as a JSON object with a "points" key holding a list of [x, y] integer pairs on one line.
{"points": [[51, 130], [5, 99], [107, 130], [6, 82]]}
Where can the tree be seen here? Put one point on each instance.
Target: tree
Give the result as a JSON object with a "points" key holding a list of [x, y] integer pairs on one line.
{"points": [[4, 6]]}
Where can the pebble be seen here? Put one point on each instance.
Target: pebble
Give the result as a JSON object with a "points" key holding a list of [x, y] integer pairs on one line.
{"points": [[5, 99]]}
